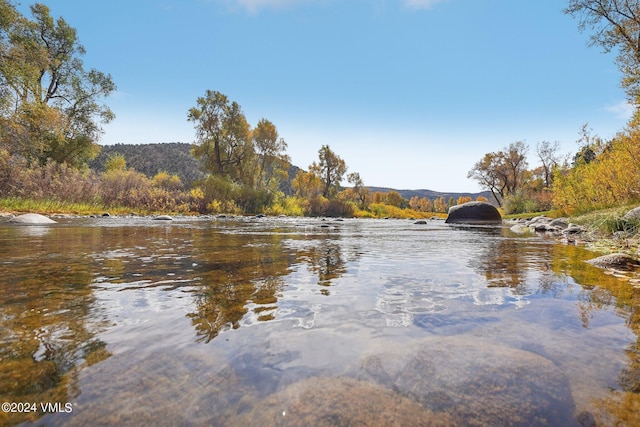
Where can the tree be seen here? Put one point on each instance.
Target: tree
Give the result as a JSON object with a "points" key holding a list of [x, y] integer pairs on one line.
{"points": [[360, 192], [504, 172], [270, 149], [222, 134], [307, 185], [490, 174], [515, 158], [394, 198], [51, 107], [330, 169], [548, 155], [615, 25]]}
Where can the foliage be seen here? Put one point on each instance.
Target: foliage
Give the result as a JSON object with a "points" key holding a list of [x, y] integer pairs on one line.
{"points": [[616, 26], [307, 185], [382, 210], [502, 172], [51, 108], [611, 178], [271, 162], [222, 133], [330, 169]]}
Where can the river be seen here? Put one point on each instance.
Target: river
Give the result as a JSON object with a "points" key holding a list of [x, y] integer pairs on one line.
{"points": [[293, 321]]}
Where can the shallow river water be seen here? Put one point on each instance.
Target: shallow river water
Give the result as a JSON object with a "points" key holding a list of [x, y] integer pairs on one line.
{"points": [[282, 321]]}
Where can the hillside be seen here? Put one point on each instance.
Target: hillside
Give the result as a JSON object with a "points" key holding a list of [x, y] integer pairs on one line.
{"points": [[175, 158]]}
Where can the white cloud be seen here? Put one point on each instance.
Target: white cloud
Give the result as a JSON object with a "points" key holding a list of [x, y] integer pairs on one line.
{"points": [[622, 109], [421, 4], [253, 6]]}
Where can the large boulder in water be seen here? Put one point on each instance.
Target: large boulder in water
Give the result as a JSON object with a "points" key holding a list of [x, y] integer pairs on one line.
{"points": [[474, 213], [32, 219]]}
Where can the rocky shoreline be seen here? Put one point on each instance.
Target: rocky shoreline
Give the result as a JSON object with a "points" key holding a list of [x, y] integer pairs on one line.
{"points": [[621, 250]]}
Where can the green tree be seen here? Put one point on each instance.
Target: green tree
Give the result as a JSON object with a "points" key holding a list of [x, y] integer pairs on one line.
{"points": [[51, 107], [270, 149], [116, 162], [330, 169], [616, 26], [222, 135]]}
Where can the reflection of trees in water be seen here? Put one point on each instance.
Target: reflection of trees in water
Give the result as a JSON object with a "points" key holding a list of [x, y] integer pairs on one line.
{"points": [[506, 262], [240, 273], [237, 270], [326, 260], [602, 291], [45, 312]]}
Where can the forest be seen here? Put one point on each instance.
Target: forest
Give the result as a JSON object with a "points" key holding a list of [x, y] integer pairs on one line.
{"points": [[52, 111]]}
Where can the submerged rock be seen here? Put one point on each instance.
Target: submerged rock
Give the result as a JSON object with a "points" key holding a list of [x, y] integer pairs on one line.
{"points": [[340, 402], [474, 213], [617, 261], [32, 219], [485, 384]]}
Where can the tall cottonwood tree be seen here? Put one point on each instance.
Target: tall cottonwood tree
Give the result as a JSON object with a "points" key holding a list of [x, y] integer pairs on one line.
{"points": [[330, 169], [50, 106], [223, 136], [615, 25], [271, 160]]}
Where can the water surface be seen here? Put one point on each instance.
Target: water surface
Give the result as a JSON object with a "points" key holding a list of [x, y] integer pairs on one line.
{"points": [[282, 321]]}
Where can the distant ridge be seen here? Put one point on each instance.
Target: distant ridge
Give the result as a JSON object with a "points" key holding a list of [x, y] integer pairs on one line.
{"points": [[430, 194], [175, 158]]}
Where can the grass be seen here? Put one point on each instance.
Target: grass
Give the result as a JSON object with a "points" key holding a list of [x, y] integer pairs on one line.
{"points": [[18, 205], [609, 233]]}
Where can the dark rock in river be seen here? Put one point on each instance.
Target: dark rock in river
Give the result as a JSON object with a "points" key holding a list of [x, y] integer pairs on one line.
{"points": [[32, 219], [618, 261], [474, 213], [420, 222]]}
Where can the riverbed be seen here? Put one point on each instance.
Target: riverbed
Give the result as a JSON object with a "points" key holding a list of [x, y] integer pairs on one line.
{"points": [[297, 321]]}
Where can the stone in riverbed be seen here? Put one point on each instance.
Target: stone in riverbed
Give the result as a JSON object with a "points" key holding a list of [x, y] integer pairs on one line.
{"points": [[617, 261], [340, 401], [633, 214], [163, 218], [32, 219], [474, 213], [485, 384]]}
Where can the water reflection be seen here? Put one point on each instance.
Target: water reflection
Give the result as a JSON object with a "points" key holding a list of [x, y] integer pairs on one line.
{"points": [[220, 322], [48, 328]]}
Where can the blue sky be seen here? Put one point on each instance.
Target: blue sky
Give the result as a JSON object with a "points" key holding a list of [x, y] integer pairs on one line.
{"points": [[410, 93]]}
